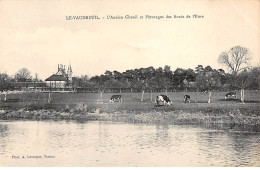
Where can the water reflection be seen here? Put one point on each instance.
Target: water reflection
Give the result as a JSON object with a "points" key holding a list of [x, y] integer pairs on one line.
{"points": [[3, 130], [121, 144], [242, 144], [3, 134]]}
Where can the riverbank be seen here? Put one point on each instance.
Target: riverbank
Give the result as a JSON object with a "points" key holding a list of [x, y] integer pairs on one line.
{"points": [[216, 116], [84, 106]]}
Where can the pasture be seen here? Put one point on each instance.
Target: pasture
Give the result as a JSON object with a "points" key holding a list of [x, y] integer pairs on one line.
{"points": [[132, 102]]}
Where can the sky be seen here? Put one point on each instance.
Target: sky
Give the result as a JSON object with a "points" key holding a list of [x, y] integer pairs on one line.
{"points": [[36, 34]]}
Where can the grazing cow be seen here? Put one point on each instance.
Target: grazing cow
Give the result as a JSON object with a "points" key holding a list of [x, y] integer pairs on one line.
{"points": [[163, 100], [204, 91], [230, 94], [116, 98], [187, 98]]}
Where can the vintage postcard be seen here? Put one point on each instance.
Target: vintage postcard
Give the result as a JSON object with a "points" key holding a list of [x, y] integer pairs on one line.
{"points": [[133, 83]]}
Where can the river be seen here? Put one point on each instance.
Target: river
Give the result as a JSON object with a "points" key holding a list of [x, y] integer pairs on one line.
{"points": [[97, 143]]}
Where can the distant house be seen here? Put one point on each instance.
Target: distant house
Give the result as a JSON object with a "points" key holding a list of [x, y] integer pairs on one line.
{"points": [[61, 79]]}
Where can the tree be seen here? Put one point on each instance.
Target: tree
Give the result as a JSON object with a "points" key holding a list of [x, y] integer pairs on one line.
{"points": [[236, 59], [222, 75], [152, 84], [23, 75], [108, 74], [150, 81], [82, 81], [117, 84], [5, 84], [207, 78], [102, 82], [190, 76], [128, 75], [182, 78], [244, 79], [255, 73], [117, 75], [143, 75], [199, 69], [141, 79], [179, 78], [164, 77], [167, 76]]}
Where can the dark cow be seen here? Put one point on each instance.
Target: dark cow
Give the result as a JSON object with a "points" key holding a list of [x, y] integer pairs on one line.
{"points": [[204, 91], [163, 100], [187, 98], [230, 94], [115, 98]]}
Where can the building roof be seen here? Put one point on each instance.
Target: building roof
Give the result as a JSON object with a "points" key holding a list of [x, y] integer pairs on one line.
{"points": [[56, 77]]}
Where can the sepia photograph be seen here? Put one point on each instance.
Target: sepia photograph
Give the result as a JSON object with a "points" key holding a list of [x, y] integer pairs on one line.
{"points": [[134, 83]]}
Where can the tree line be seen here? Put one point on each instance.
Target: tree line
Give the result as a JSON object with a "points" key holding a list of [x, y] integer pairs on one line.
{"points": [[23, 75], [150, 79], [240, 76]]}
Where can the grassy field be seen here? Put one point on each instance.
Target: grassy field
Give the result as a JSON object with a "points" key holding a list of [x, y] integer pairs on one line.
{"points": [[82, 104], [131, 101]]}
